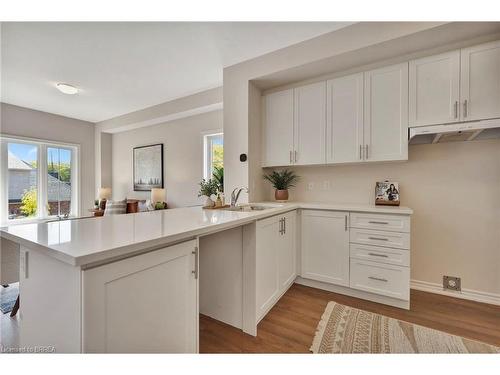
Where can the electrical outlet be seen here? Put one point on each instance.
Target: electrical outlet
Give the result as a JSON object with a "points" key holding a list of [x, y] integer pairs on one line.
{"points": [[452, 282]]}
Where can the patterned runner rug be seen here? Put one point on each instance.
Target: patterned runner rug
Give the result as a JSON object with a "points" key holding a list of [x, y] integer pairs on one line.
{"points": [[345, 329]]}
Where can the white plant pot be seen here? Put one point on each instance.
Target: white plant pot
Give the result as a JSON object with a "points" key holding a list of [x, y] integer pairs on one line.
{"points": [[209, 202]]}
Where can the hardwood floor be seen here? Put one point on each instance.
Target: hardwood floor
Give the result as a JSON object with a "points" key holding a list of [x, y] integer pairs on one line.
{"points": [[290, 325]]}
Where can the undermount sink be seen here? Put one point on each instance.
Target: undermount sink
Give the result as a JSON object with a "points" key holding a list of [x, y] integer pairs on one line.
{"points": [[252, 207]]}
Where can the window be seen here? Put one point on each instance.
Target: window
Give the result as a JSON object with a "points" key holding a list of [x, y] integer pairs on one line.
{"points": [[39, 180], [214, 154]]}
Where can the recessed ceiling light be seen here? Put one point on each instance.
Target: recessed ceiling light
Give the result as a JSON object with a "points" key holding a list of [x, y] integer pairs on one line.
{"points": [[67, 89]]}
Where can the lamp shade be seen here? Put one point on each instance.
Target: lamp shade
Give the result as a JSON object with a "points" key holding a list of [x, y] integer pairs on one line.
{"points": [[104, 193], [158, 195]]}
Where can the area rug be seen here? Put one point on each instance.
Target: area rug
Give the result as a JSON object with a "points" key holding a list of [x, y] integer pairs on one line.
{"points": [[345, 329], [8, 297]]}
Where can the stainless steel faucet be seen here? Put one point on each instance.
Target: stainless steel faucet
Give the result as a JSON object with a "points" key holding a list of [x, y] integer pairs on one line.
{"points": [[236, 194]]}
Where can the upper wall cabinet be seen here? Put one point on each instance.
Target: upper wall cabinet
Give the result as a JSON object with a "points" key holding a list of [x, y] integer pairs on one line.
{"points": [[480, 81], [435, 89], [344, 131], [456, 86], [309, 124], [278, 129], [386, 113]]}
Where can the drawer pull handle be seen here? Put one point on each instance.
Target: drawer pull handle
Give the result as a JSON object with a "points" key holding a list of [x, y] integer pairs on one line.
{"points": [[378, 222], [377, 278], [378, 255], [378, 238]]}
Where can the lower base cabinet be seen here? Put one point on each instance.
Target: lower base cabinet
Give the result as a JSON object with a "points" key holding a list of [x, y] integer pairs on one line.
{"points": [[325, 246], [125, 303], [275, 259]]}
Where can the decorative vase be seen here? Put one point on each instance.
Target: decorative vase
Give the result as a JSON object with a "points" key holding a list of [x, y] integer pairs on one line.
{"points": [[209, 202], [218, 202], [281, 195]]}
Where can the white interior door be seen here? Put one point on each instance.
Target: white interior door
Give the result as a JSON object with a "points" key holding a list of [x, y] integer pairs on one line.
{"points": [[278, 128], [267, 284], [325, 246], [480, 82], [144, 304], [310, 124], [345, 119], [434, 89], [287, 252], [386, 113]]}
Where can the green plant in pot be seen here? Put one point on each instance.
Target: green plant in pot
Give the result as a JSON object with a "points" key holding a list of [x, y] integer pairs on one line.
{"points": [[282, 181], [207, 189]]}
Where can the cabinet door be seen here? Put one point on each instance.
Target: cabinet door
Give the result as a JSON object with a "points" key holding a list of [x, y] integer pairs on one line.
{"points": [[267, 284], [144, 304], [386, 113], [344, 119], [325, 246], [310, 124], [278, 128], [480, 82], [434, 89], [287, 253]]}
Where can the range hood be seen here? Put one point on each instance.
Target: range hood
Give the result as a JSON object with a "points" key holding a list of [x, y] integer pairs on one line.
{"points": [[464, 131]]}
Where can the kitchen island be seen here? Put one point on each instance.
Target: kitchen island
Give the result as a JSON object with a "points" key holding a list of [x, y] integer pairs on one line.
{"points": [[137, 282]]}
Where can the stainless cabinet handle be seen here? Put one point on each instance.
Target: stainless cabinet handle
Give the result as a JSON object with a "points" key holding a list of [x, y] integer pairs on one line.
{"points": [[378, 238], [465, 108], [378, 222], [291, 157], [377, 278], [296, 157], [345, 222], [280, 231], [360, 152], [195, 253], [284, 225], [378, 255], [456, 109]]}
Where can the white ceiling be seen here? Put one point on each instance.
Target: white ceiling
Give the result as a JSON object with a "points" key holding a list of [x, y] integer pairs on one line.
{"points": [[123, 67]]}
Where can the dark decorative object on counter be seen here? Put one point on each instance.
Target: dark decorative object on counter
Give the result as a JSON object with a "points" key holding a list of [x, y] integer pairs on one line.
{"points": [[387, 193]]}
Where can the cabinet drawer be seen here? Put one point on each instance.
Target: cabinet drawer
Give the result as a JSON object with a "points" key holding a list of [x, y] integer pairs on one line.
{"points": [[397, 223], [379, 254], [380, 238], [385, 279]]}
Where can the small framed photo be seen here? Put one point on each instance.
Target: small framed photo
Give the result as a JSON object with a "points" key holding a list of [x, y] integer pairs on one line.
{"points": [[387, 193]]}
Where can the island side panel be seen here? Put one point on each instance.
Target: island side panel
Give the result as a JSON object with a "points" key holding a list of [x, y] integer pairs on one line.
{"points": [[221, 279], [50, 295], [250, 279]]}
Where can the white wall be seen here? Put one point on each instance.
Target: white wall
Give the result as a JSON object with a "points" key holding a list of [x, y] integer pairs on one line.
{"points": [[454, 190], [183, 157], [25, 122]]}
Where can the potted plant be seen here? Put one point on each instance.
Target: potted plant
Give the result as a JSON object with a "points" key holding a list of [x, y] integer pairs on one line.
{"points": [[282, 181], [207, 189]]}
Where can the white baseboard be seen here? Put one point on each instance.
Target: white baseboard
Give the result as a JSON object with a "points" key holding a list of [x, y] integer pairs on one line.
{"points": [[473, 295]]}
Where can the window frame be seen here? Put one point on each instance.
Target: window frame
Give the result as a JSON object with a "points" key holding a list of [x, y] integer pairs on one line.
{"points": [[42, 178], [207, 151]]}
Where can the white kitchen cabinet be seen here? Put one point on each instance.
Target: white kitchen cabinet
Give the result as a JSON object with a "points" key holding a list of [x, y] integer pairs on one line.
{"points": [[278, 129], [434, 89], [345, 119], [480, 82], [386, 113], [325, 246], [309, 124], [275, 259], [143, 304], [287, 253]]}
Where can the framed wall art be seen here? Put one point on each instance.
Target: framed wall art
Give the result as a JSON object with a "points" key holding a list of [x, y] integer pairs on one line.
{"points": [[148, 167]]}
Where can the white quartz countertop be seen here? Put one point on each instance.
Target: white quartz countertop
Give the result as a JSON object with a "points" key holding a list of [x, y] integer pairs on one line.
{"points": [[92, 240]]}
